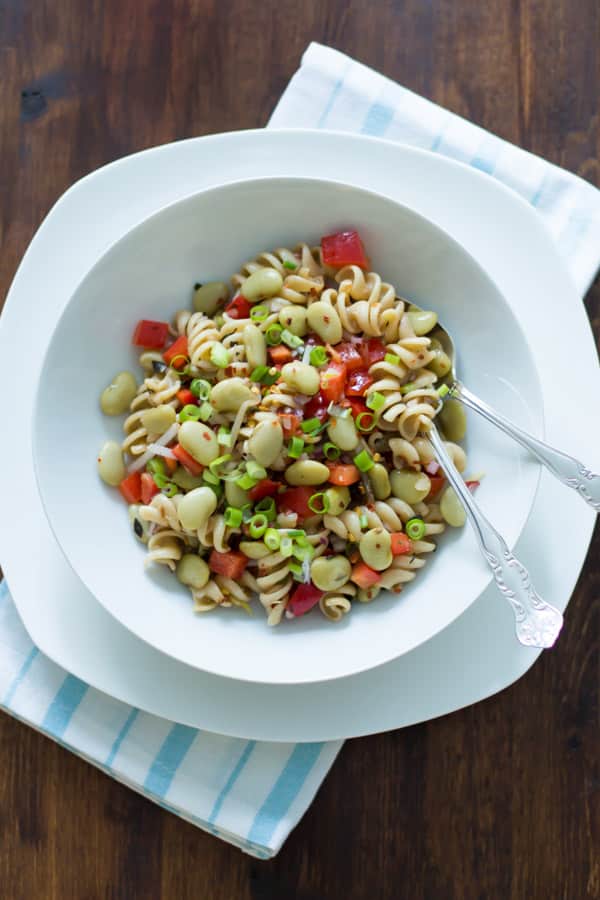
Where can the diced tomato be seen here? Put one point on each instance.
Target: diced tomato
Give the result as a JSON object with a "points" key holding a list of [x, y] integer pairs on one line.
{"points": [[343, 474], [150, 334], [187, 460], [364, 576], [149, 487], [295, 500], [437, 482], [316, 408], [264, 488], [238, 308], [358, 382], [472, 485], [343, 249], [303, 599], [230, 564], [171, 464], [350, 356], [131, 487], [357, 406], [176, 355], [280, 354], [333, 379], [290, 424], [186, 397], [372, 351], [401, 543]]}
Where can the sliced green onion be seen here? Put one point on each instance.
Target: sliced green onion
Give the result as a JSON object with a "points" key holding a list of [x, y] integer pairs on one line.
{"points": [[245, 481], [376, 401], [295, 447], [291, 340], [255, 471], [200, 388], [286, 546], [170, 489], [271, 377], [217, 489], [319, 503], [258, 525], [392, 359], [271, 539], [219, 356], [266, 506], [156, 466], [443, 390], [364, 461], [216, 464], [247, 512], [160, 480], [259, 313], [210, 477], [206, 411], [224, 436], [273, 334], [415, 529], [302, 553], [318, 356], [233, 517], [331, 451], [296, 571], [407, 388], [366, 421], [295, 533], [364, 521], [288, 264], [231, 474], [258, 373], [311, 425], [190, 413]]}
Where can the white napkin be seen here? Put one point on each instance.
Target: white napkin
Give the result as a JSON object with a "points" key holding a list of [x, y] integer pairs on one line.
{"points": [[249, 793]]}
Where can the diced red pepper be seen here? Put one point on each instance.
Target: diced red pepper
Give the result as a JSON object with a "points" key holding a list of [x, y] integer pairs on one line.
{"points": [[230, 564], [401, 543], [171, 464], [264, 488], [372, 351], [343, 474], [358, 382], [187, 460], [303, 599], [290, 424], [364, 576], [186, 397], [238, 308], [333, 379], [295, 500], [280, 354], [343, 249], [350, 356], [437, 482], [150, 334], [149, 487], [131, 487], [316, 408], [177, 354]]}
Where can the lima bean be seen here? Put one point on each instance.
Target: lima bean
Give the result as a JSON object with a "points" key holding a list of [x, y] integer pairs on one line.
{"points": [[261, 284], [380, 481], [158, 419], [422, 321], [451, 508], [266, 441], [192, 571], [440, 364], [111, 467], [375, 547], [324, 320], [330, 572], [196, 507], [306, 472], [301, 377], [115, 399], [200, 441], [254, 549], [294, 319], [235, 495], [412, 487], [256, 346], [453, 420], [210, 296], [228, 395], [342, 431], [339, 499]]}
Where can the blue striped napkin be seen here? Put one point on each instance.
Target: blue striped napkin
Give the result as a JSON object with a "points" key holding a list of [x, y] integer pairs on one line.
{"points": [[252, 794]]}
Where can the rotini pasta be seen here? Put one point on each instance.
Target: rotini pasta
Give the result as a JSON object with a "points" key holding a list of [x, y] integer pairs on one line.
{"points": [[276, 448]]}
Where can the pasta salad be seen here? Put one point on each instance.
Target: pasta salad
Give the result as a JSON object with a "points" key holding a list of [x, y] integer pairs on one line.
{"points": [[276, 446]]}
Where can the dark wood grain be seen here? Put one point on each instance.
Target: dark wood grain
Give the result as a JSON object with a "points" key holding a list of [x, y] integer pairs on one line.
{"points": [[498, 801]]}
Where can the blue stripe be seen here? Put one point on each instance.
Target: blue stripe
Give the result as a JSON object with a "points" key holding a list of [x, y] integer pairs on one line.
{"points": [[121, 736], [377, 120], [169, 758], [235, 774], [285, 791], [20, 676], [332, 98], [3, 590], [487, 155], [60, 712]]}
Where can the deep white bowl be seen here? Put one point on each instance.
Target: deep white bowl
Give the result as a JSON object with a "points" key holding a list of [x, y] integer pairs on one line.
{"points": [[149, 274]]}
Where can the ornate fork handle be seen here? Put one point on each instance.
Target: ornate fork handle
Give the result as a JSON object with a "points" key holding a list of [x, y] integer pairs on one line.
{"points": [[567, 469], [536, 622]]}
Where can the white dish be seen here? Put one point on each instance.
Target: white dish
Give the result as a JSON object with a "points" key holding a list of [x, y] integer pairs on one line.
{"points": [[148, 274], [474, 657]]}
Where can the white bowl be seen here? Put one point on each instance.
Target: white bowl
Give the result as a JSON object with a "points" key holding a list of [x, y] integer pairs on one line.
{"points": [[148, 274]]}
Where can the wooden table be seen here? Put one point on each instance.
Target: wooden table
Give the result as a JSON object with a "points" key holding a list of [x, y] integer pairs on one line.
{"points": [[498, 801]]}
